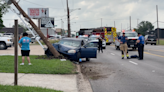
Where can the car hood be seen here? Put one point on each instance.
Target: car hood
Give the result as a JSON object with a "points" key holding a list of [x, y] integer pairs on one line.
{"points": [[5, 37], [63, 48]]}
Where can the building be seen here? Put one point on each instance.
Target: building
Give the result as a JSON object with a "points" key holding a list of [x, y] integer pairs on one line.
{"points": [[161, 33], [11, 30]]}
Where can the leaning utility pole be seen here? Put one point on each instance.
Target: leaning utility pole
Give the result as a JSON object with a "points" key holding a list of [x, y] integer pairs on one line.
{"points": [[45, 40], [157, 24], [68, 19]]}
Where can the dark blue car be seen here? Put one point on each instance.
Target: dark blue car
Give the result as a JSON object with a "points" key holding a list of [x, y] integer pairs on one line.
{"points": [[75, 49]]}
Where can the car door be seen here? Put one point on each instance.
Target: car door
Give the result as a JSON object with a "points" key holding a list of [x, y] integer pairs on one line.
{"points": [[89, 50]]}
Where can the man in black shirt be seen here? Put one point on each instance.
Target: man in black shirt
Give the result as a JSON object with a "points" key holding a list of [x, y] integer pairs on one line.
{"points": [[100, 44]]}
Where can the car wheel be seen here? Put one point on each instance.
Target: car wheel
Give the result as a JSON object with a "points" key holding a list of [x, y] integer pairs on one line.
{"points": [[151, 44], [155, 44], [3, 46], [146, 43], [104, 47], [87, 59]]}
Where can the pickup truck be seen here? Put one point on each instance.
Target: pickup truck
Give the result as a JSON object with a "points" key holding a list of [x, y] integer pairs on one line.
{"points": [[5, 42]]}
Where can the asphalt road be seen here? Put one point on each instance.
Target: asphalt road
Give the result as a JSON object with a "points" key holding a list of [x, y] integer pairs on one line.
{"points": [[129, 75]]}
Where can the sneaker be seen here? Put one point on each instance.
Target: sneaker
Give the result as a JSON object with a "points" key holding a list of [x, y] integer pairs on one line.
{"points": [[21, 63], [122, 57], [128, 58], [29, 64]]}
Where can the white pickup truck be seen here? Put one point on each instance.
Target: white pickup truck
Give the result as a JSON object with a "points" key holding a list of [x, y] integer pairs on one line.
{"points": [[5, 42]]}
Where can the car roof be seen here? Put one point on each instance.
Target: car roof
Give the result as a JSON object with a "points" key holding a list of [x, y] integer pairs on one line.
{"points": [[77, 39]]}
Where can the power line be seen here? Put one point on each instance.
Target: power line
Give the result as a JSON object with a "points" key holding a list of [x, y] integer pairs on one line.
{"points": [[62, 3], [40, 4]]}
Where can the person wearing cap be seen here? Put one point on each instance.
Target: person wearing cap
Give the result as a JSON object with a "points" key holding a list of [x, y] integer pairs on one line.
{"points": [[100, 39], [140, 43], [123, 45], [24, 44]]}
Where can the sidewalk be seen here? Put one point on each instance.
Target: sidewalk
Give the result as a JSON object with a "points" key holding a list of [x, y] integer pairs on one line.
{"points": [[65, 83]]}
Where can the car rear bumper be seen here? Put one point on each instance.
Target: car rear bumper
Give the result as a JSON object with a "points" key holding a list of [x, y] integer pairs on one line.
{"points": [[151, 42]]}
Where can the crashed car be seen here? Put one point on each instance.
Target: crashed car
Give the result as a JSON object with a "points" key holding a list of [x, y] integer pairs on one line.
{"points": [[75, 49]]}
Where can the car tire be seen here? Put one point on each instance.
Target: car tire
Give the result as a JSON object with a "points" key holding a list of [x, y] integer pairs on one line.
{"points": [[87, 59], [151, 44], [3, 46], [155, 44], [104, 47], [146, 43]]}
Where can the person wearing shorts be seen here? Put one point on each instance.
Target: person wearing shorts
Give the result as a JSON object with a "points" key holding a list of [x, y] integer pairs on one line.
{"points": [[24, 43]]}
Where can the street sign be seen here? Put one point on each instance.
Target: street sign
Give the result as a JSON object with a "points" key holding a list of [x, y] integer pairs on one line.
{"points": [[36, 13], [47, 22]]}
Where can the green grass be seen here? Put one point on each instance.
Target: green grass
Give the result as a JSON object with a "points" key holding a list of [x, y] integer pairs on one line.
{"points": [[6, 88], [161, 41], [39, 66]]}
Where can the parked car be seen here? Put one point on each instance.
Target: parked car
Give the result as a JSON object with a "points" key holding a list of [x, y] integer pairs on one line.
{"points": [[11, 35], [85, 37], [150, 39], [5, 42], [75, 49], [93, 38]]}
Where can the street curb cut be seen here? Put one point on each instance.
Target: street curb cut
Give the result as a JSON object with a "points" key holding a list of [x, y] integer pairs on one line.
{"points": [[83, 83]]}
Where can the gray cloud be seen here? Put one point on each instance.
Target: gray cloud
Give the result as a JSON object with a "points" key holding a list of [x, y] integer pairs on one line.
{"points": [[93, 10]]}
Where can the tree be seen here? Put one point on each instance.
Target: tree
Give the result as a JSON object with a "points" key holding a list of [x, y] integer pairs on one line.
{"points": [[21, 26], [3, 9], [144, 26]]}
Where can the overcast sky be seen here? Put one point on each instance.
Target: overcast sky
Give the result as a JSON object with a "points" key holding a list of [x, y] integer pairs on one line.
{"points": [[93, 10]]}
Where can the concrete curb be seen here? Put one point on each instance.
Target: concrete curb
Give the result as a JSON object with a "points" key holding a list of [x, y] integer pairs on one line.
{"points": [[83, 83]]}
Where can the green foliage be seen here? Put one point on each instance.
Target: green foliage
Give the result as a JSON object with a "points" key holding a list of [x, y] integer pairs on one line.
{"points": [[21, 26], [144, 26], [3, 9]]}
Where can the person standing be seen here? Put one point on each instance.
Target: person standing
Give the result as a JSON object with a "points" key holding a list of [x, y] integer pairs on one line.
{"points": [[140, 43], [123, 45], [24, 44], [100, 44]]}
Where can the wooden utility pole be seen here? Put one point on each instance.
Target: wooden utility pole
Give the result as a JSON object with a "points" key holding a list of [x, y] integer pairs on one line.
{"points": [[157, 24], [45, 40], [130, 23], [101, 22], [16, 53], [114, 24], [68, 19]]}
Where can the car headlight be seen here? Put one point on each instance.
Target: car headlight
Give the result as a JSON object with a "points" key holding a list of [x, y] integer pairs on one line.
{"points": [[72, 51]]}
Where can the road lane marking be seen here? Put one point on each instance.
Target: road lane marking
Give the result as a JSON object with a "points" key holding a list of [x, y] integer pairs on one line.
{"points": [[153, 54], [155, 50], [133, 62], [112, 54]]}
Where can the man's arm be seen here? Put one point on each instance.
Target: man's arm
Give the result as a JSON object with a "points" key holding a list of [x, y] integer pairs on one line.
{"points": [[20, 45]]}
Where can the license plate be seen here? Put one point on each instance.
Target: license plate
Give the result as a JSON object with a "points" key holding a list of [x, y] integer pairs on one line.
{"points": [[152, 39], [131, 45]]}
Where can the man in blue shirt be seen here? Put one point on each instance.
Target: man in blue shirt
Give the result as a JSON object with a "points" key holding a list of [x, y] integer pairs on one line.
{"points": [[24, 43], [140, 43], [123, 45]]}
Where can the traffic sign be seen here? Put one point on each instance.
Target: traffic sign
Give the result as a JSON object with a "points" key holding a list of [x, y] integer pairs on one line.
{"points": [[47, 22]]}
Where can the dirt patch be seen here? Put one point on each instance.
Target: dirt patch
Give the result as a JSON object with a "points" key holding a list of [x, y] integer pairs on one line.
{"points": [[92, 71]]}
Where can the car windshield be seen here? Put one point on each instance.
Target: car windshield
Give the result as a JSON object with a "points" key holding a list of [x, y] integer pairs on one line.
{"points": [[130, 34], [70, 43], [152, 37], [84, 38]]}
